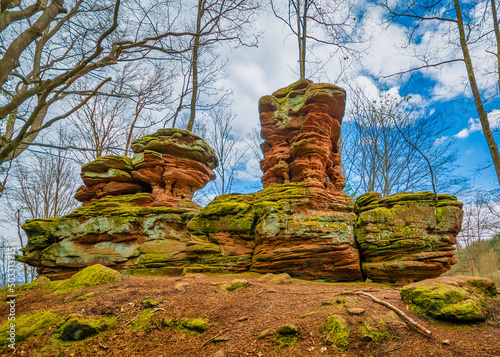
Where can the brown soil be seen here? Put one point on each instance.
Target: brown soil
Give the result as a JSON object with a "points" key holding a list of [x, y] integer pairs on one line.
{"points": [[240, 316]]}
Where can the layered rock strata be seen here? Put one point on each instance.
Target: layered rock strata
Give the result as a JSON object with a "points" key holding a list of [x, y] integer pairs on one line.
{"points": [[125, 233], [138, 217], [407, 236], [134, 211], [171, 164], [301, 129], [295, 228]]}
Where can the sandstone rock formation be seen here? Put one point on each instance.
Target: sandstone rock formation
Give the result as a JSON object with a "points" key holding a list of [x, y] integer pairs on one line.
{"points": [[296, 228], [407, 236], [120, 232], [107, 176], [134, 211], [451, 298], [175, 163], [172, 164], [138, 217], [301, 129]]}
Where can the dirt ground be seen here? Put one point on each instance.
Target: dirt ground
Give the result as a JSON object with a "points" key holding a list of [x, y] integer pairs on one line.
{"points": [[236, 318]]}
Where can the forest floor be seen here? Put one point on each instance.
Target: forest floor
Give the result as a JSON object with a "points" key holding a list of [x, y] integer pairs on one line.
{"points": [[244, 322]]}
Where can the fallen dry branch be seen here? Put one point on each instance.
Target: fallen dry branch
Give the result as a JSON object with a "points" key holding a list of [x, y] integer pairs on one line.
{"points": [[405, 317]]}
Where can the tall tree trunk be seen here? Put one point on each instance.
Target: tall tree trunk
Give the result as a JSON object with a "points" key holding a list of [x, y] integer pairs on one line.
{"points": [[483, 116], [194, 63], [497, 36]]}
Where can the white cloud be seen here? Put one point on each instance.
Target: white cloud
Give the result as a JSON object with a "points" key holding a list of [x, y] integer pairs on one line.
{"points": [[494, 118], [473, 126], [252, 171], [441, 140]]}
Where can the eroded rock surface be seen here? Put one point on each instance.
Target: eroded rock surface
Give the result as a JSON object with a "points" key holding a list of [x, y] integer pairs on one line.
{"points": [[171, 164], [121, 232], [301, 129], [296, 228], [138, 217], [407, 236]]}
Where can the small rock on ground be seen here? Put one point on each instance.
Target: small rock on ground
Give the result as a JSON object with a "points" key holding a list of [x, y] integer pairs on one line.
{"points": [[355, 311], [219, 353]]}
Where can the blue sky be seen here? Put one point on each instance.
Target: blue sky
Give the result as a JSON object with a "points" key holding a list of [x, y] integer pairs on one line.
{"points": [[255, 72]]}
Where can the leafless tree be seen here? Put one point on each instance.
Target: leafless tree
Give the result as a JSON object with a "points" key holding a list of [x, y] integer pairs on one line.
{"points": [[464, 30], [323, 22], [49, 48], [394, 147], [43, 187], [217, 22], [230, 152]]}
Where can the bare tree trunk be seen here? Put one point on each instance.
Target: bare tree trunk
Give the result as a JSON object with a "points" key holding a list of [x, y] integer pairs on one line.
{"points": [[194, 63], [483, 116], [497, 36]]}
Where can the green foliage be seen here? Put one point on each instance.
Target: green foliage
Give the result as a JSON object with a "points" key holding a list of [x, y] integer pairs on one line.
{"points": [[286, 336], [148, 303], [336, 332]]}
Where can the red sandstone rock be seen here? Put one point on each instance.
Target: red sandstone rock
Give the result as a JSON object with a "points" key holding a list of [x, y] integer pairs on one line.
{"points": [[174, 164], [301, 129]]}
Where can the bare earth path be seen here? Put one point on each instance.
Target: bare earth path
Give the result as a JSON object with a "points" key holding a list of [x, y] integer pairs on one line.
{"points": [[238, 317]]}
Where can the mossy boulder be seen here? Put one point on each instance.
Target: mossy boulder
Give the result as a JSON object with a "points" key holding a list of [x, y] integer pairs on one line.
{"points": [[88, 277], [236, 284], [286, 336], [280, 279], [407, 236], [454, 299], [75, 329], [193, 326], [336, 331]]}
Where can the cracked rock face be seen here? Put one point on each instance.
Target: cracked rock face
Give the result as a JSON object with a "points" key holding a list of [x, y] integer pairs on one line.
{"points": [[301, 129], [407, 236]]}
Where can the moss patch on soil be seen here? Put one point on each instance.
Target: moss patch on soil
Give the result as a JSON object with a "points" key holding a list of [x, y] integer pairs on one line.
{"points": [[193, 326], [29, 326]]}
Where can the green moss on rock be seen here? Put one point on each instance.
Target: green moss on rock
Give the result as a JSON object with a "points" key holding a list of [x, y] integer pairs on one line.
{"points": [[40, 233], [103, 164], [336, 331], [236, 284], [193, 326], [29, 326], [449, 298], [88, 277]]}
